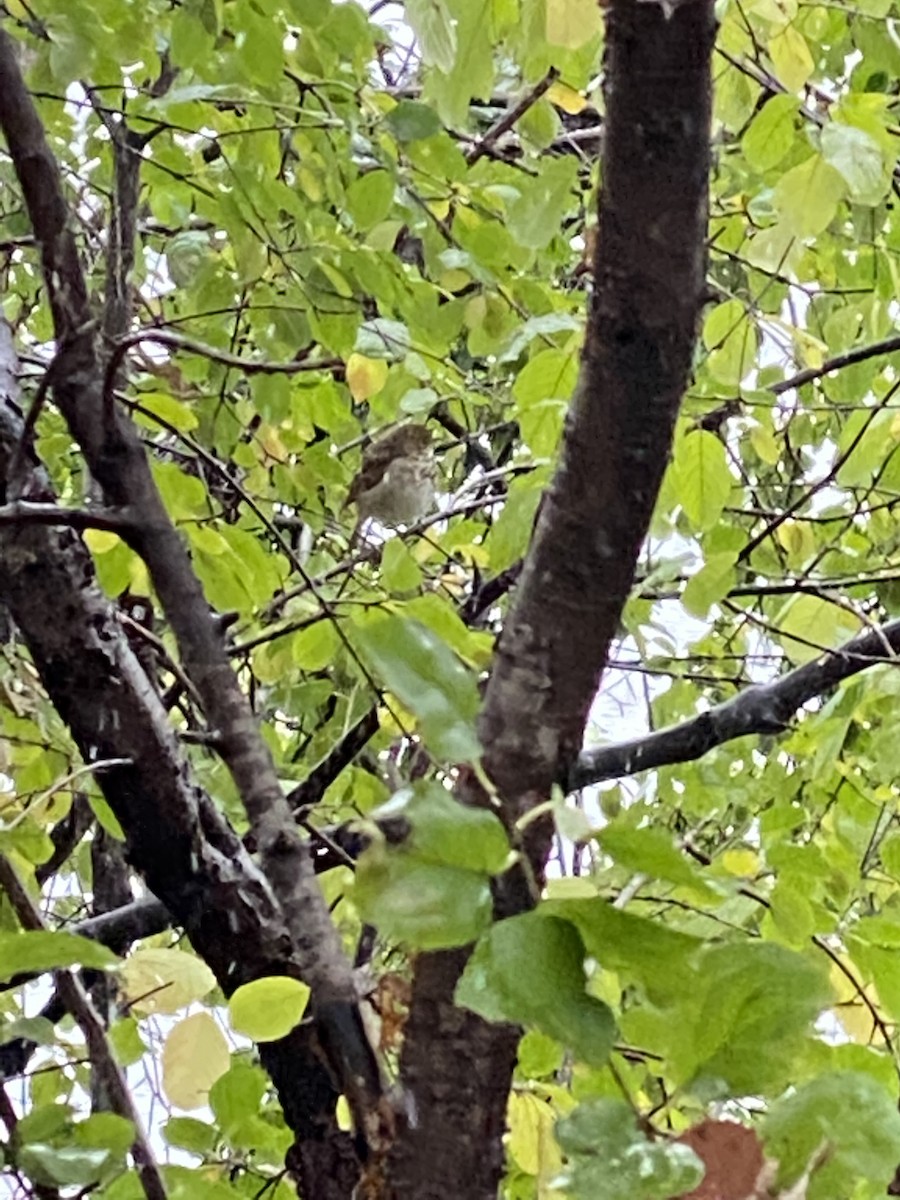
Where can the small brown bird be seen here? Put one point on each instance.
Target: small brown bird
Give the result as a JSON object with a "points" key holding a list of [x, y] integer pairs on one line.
{"points": [[395, 484]]}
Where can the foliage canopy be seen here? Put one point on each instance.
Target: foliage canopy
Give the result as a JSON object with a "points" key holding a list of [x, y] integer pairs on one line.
{"points": [[342, 219]]}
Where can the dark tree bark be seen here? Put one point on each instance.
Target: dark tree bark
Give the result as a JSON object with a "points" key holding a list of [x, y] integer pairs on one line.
{"points": [[649, 284]]}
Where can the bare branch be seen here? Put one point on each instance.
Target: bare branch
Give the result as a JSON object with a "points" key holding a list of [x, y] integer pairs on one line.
{"points": [[28, 512], [485, 144], [761, 709], [177, 341], [847, 359]]}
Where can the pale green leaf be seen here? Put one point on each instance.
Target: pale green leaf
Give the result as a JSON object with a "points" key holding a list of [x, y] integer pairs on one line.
{"points": [[269, 1008], [435, 30], [859, 159], [808, 195], [791, 57], [809, 626], [701, 478], [571, 23], [424, 904]]}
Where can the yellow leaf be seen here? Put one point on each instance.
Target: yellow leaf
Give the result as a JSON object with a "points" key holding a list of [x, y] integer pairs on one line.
{"points": [[791, 58], [571, 23], [163, 981], [798, 540], [741, 862], [530, 1139], [365, 376], [763, 442], [99, 541], [853, 1012], [194, 1057], [566, 98], [268, 1009]]}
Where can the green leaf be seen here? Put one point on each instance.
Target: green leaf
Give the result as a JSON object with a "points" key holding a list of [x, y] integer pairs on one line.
{"points": [[748, 995], [808, 626], [412, 121], [844, 1124], [791, 57], [191, 42], [42, 950], [472, 73], [190, 1134], [237, 1094], [550, 995], [268, 1009], [444, 831], [63, 1166], [106, 1131], [428, 678], [175, 412], [314, 648], [652, 851], [369, 198], [399, 570], [771, 133], [701, 478], [125, 1038], [424, 904], [889, 852], [711, 583], [808, 195], [858, 157], [435, 30], [511, 532], [731, 340], [551, 374], [571, 23], [536, 215], [663, 960], [609, 1158]]}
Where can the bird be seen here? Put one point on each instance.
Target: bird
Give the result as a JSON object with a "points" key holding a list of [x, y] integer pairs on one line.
{"points": [[395, 484]]}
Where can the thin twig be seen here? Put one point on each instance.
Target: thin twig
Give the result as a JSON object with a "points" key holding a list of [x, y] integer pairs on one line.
{"points": [[176, 341], [509, 118]]}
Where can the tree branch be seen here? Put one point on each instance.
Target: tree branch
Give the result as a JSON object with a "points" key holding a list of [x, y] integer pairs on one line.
{"points": [[761, 709], [847, 359], [177, 341], [485, 144], [22, 512], [117, 461], [649, 286], [176, 837]]}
